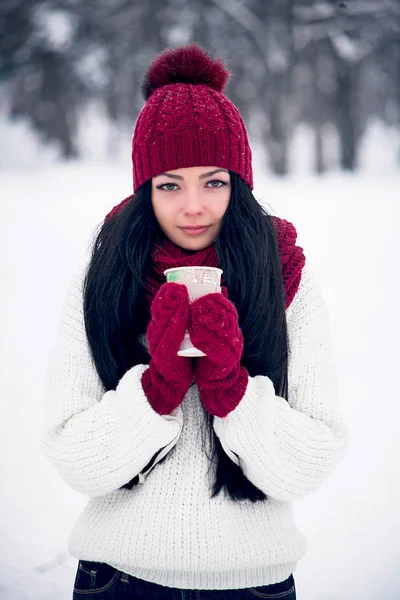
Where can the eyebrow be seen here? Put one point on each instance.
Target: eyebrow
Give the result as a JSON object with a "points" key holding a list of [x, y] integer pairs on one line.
{"points": [[200, 176]]}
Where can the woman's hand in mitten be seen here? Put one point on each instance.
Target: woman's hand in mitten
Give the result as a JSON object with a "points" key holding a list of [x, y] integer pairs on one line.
{"points": [[214, 329], [169, 376]]}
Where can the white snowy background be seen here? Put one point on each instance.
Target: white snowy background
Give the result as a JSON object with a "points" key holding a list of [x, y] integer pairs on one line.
{"points": [[348, 226]]}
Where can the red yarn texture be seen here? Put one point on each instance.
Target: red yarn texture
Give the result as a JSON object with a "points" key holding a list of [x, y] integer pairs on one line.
{"points": [[214, 329], [168, 376], [118, 208], [187, 121]]}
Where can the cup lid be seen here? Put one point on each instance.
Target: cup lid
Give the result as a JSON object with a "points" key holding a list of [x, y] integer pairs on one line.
{"points": [[193, 267]]}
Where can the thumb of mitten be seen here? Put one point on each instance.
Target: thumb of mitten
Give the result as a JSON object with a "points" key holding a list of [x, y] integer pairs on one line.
{"points": [[170, 313], [213, 328]]}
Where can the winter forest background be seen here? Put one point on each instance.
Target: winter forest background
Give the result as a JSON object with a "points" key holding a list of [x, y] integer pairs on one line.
{"points": [[318, 84], [334, 66]]}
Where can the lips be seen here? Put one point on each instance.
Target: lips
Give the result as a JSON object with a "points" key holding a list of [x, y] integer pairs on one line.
{"points": [[194, 227], [195, 230]]}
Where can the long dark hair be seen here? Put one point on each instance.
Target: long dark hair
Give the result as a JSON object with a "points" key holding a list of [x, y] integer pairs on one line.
{"points": [[116, 313]]}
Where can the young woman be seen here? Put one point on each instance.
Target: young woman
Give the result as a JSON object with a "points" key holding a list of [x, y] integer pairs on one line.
{"points": [[191, 464]]}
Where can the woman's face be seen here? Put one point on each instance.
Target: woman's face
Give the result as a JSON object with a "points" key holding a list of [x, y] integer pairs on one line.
{"points": [[191, 197]]}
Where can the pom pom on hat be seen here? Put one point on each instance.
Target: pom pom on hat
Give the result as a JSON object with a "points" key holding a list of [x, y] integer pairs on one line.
{"points": [[187, 64]]}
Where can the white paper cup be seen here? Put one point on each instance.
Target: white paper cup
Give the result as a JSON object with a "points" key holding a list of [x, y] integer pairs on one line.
{"points": [[199, 281]]}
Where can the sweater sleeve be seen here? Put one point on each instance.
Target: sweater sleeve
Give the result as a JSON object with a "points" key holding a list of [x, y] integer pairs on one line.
{"points": [[288, 448], [98, 441]]}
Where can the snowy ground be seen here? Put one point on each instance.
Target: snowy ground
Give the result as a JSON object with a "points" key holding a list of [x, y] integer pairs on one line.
{"points": [[348, 227]]}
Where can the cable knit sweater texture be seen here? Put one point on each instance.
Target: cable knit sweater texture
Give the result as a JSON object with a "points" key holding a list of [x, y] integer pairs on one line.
{"points": [[167, 529]]}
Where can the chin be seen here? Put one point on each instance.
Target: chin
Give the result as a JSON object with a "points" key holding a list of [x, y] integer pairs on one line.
{"points": [[194, 247], [195, 244]]}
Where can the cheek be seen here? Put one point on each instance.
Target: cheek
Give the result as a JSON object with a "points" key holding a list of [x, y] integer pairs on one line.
{"points": [[159, 209], [166, 218], [224, 203]]}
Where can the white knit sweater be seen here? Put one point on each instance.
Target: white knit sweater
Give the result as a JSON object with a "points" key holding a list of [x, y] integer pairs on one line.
{"points": [[167, 529]]}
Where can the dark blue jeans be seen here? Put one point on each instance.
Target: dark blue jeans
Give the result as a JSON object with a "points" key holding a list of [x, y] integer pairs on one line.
{"points": [[100, 581]]}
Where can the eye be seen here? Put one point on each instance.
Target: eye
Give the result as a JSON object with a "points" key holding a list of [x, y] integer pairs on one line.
{"points": [[219, 183], [164, 187]]}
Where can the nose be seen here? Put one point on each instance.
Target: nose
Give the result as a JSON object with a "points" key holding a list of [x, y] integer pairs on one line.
{"points": [[193, 204]]}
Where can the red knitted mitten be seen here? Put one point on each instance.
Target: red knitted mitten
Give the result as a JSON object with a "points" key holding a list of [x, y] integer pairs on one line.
{"points": [[168, 376], [214, 329]]}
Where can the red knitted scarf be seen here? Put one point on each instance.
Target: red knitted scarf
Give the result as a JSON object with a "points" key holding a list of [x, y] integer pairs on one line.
{"points": [[167, 255]]}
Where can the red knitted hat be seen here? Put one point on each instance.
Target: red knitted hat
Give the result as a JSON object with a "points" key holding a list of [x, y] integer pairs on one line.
{"points": [[187, 121]]}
